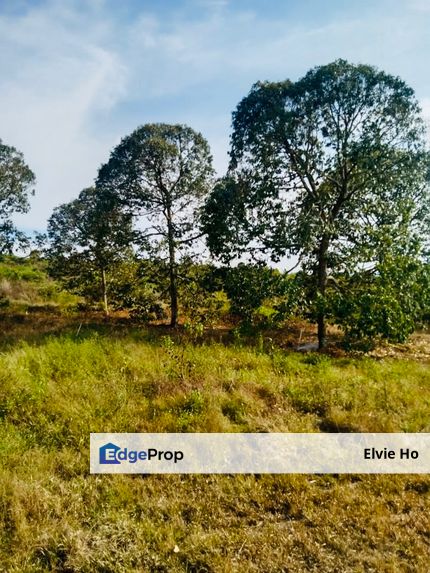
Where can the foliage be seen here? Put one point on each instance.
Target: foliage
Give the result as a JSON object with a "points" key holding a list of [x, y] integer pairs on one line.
{"points": [[261, 296], [136, 287], [161, 173], [388, 302], [247, 286], [16, 183], [88, 236], [26, 286], [203, 300], [325, 168]]}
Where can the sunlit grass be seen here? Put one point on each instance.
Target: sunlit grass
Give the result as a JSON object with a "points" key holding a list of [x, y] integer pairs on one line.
{"points": [[56, 517]]}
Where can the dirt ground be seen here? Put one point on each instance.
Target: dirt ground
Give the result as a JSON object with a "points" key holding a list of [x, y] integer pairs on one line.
{"points": [[417, 348], [295, 335]]}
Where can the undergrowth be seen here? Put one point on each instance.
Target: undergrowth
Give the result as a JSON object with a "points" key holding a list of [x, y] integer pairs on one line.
{"points": [[54, 516]]}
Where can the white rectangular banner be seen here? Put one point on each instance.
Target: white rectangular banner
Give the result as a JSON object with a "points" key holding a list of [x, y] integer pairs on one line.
{"points": [[273, 453]]}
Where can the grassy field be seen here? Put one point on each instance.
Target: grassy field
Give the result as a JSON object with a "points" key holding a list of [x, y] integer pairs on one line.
{"points": [[57, 388], [26, 287]]}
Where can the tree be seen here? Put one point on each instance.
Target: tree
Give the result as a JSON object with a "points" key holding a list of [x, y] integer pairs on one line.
{"points": [[16, 182], [329, 169], [88, 236], [162, 172]]}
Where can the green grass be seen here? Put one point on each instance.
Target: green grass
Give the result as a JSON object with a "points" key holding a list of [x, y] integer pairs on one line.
{"points": [[54, 516], [26, 286]]}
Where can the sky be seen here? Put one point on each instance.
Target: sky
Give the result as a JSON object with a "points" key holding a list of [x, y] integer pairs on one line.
{"points": [[78, 75]]}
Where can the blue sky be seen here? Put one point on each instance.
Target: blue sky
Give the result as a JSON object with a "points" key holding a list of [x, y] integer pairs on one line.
{"points": [[77, 75]]}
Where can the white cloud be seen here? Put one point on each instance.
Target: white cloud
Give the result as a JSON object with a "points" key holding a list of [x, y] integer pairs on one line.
{"points": [[419, 5], [57, 76], [75, 76]]}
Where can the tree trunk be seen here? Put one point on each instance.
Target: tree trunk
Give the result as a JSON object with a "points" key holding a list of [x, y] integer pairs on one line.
{"points": [[172, 271], [321, 288], [104, 292]]}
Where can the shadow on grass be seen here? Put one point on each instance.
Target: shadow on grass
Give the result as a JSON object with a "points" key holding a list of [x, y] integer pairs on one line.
{"points": [[37, 328]]}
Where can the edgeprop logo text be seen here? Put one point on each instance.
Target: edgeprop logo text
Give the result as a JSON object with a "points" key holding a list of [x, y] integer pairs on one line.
{"points": [[113, 454]]}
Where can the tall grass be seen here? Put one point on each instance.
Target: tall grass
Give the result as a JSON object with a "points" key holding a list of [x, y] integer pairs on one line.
{"points": [[26, 286], [56, 517]]}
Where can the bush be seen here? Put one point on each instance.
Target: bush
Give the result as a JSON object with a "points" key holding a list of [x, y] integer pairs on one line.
{"points": [[262, 297], [202, 299], [386, 304]]}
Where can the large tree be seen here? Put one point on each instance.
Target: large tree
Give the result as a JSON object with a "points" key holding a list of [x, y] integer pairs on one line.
{"points": [[330, 169], [87, 237], [161, 173], [16, 184]]}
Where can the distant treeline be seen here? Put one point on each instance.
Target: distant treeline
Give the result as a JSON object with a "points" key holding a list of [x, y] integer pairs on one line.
{"points": [[332, 171]]}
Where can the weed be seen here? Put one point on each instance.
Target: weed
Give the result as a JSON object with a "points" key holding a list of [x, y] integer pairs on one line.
{"points": [[54, 516]]}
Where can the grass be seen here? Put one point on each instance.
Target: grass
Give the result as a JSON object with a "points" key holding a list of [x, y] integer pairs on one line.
{"points": [[26, 287], [54, 516]]}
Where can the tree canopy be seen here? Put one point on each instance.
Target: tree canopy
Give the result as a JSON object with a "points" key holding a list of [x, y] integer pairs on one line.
{"points": [[332, 168], [16, 184], [161, 173], [87, 237]]}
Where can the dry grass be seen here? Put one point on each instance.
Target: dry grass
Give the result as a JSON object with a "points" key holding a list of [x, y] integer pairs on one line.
{"points": [[54, 516]]}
